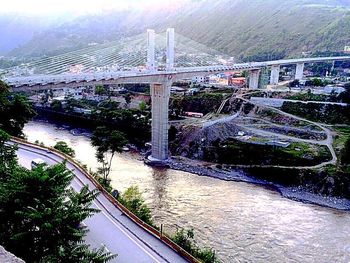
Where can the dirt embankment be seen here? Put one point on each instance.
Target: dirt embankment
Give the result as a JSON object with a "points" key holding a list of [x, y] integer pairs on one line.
{"points": [[192, 139]]}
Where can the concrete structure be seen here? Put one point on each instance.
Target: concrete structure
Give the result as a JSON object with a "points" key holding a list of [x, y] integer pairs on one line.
{"points": [[151, 65], [254, 76], [170, 48], [275, 74], [299, 71], [160, 82], [160, 94]]}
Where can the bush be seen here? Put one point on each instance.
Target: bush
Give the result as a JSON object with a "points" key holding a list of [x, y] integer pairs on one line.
{"points": [[133, 200], [185, 239], [345, 154], [64, 148]]}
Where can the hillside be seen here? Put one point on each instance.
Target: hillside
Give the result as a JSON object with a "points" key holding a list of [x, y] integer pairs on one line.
{"points": [[17, 30], [249, 30]]}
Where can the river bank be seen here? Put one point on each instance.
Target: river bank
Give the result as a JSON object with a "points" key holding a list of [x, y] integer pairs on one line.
{"points": [[202, 168], [295, 193], [241, 221]]}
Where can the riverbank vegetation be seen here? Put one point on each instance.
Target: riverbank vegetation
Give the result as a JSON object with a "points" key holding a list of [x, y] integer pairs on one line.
{"points": [[64, 148], [242, 153], [40, 215], [185, 239], [15, 111], [134, 123], [108, 142], [133, 200]]}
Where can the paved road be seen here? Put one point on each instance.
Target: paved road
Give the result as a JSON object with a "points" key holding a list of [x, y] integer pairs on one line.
{"points": [[110, 227], [328, 142]]}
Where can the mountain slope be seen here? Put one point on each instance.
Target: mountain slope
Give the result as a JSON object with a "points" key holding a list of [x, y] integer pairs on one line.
{"points": [[250, 30]]}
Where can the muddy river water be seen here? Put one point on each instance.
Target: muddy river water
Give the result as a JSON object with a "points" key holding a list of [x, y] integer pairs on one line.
{"points": [[242, 222]]}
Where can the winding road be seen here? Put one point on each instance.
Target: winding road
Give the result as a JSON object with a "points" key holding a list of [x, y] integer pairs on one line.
{"points": [[110, 227], [328, 142]]}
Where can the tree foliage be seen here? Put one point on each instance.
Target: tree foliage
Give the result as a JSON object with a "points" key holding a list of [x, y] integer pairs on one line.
{"points": [[40, 215], [107, 143], [203, 103], [100, 90], [185, 239], [63, 147], [345, 154], [8, 159], [133, 200], [15, 111]]}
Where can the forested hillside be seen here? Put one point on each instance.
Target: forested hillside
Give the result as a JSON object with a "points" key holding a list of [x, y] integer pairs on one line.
{"points": [[248, 30]]}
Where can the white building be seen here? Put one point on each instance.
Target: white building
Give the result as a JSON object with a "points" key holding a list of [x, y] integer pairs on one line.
{"points": [[198, 79]]}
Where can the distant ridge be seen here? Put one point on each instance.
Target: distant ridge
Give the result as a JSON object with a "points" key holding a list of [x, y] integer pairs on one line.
{"points": [[248, 30]]}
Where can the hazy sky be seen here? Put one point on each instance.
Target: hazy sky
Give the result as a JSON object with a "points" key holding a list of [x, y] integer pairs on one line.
{"points": [[42, 7]]}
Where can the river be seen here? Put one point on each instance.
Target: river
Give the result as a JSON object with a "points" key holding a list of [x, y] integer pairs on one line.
{"points": [[242, 222]]}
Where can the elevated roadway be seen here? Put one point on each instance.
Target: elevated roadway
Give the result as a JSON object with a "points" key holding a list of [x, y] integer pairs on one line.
{"points": [[37, 82]]}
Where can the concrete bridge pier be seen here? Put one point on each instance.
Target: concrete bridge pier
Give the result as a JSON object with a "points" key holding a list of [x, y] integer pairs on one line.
{"points": [[160, 94], [275, 74], [254, 76], [299, 71]]}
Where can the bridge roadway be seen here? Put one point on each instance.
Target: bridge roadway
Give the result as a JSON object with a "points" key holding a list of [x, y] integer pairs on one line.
{"points": [[37, 82], [109, 228]]}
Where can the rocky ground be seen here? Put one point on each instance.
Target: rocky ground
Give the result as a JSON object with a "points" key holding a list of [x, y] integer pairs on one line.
{"points": [[299, 193]]}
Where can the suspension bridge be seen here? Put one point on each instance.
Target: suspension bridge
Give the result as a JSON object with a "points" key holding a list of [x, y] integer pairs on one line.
{"points": [[153, 60]]}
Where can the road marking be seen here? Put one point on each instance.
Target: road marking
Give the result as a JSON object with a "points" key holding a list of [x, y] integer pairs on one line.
{"points": [[103, 209], [118, 226]]}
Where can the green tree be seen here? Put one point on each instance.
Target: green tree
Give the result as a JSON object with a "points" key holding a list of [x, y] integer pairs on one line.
{"points": [[15, 111], [100, 90], [345, 154], [132, 199], [4, 88], [8, 159], [63, 147], [317, 82], [40, 215], [185, 239], [143, 106], [107, 143], [56, 105]]}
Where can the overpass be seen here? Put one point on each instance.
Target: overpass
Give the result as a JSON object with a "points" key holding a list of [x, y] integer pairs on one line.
{"points": [[161, 81]]}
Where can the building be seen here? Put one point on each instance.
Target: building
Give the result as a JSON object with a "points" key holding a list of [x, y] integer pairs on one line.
{"points": [[198, 79]]}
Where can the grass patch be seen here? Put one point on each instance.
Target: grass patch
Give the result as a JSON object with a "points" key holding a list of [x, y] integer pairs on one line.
{"points": [[244, 153], [339, 140]]}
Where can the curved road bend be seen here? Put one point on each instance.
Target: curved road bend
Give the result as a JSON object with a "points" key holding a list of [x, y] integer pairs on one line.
{"points": [[109, 228]]}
